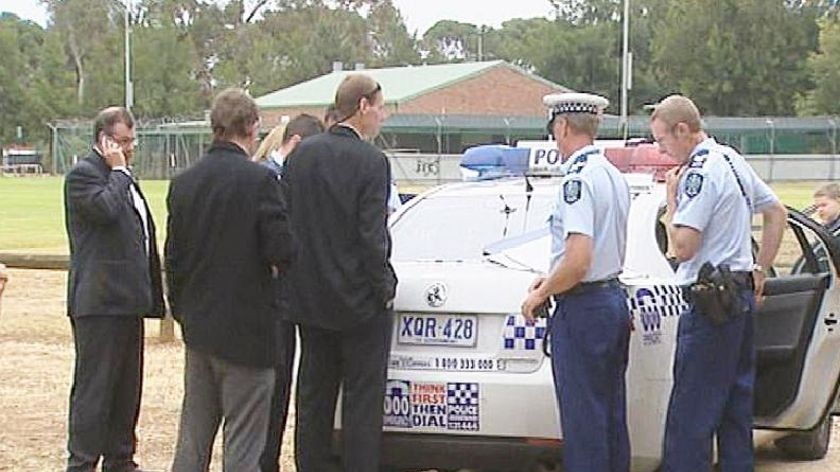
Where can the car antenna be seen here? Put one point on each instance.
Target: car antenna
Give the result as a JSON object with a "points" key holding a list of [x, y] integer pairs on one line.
{"points": [[529, 189], [507, 210]]}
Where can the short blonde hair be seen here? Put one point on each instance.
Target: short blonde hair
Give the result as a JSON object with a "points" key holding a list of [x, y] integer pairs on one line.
{"points": [[831, 191], [676, 109], [270, 143], [583, 123]]}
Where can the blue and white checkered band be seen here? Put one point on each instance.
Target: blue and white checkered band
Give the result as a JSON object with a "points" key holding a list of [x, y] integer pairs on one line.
{"points": [[693, 184], [571, 191], [521, 334], [572, 107]]}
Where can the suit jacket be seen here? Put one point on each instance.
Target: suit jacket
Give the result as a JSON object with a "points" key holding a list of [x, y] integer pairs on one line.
{"points": [[226, 229], [336, 186], [111, 272]]}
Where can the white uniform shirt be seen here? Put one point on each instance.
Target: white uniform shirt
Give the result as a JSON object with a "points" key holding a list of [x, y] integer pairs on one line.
{"points": [[710, 200], [139, 205], [594, 200]]}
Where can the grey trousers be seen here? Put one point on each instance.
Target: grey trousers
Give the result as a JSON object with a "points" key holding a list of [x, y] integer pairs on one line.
{"points": [[216, 390]]}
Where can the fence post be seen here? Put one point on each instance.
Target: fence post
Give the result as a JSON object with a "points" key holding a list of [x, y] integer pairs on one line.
{"points": [[833, 146], [772, 149]]}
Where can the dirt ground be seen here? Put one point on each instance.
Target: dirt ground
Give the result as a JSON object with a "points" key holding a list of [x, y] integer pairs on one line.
{"points": [[36, 368]]}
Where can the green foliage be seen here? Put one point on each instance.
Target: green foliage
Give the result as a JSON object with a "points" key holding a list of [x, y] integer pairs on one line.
{"points": [[742, 57], [824, 66]]}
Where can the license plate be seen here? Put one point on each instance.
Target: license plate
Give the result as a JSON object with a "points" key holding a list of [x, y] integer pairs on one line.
{"points": [[438, 330]]}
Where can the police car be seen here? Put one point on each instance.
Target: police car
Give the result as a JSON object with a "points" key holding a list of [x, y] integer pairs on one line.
{"points": [[469, 380]]}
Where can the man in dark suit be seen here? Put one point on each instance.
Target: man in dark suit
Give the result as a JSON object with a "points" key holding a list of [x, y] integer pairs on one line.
{"points": [[341, 280], [114, 281], [226, 235], [297, 129]]}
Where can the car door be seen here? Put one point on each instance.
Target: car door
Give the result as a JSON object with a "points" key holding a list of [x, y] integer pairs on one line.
{"points": [[797, 335]]}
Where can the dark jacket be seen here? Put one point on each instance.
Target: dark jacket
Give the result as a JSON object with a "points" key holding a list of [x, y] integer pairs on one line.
{"points": [[111, 272], [336, 187], [226, 229]]}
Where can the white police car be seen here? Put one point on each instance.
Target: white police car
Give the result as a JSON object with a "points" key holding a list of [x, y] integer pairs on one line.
{"points": [[469, 384]]}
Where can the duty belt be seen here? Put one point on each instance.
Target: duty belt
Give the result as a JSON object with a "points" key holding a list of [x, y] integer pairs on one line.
{"points": [[743, 279], [585, 287]]}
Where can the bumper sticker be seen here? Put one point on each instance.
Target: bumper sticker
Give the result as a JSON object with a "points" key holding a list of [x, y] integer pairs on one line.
{"points": [[449, 406]]}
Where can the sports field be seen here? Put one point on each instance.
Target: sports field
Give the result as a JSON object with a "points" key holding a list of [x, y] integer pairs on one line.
{"points": [[32, 211]]}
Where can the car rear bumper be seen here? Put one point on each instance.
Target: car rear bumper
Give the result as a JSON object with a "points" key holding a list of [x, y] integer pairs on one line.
{"points": [[455, 451]]}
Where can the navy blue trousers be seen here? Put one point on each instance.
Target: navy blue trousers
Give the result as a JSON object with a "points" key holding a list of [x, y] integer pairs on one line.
{"points": [[714, 375], [590, 334]]}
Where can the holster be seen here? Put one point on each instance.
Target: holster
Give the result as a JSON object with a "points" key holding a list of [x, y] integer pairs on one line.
{"points": [[715, 294]]}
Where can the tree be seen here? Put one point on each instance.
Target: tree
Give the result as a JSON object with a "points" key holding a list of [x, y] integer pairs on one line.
{"points": [[21, 46], [744, 57], [391, 43], [90, 30], [824, 67], [451, 41], [164, 72]]}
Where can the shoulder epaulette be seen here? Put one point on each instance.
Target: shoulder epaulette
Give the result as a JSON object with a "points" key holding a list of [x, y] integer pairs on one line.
{"points": [[698, 159]]}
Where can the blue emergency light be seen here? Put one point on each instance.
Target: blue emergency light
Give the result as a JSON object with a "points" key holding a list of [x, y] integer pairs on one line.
{"points": [[492, 161]]}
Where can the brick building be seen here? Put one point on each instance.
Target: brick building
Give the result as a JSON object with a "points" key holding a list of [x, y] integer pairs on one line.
{"points": [[438, 108]]}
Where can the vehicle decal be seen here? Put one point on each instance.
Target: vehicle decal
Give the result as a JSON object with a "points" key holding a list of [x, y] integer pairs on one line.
{"points": [[650, 304], [521, 334], [448, 363], [445, 406]]}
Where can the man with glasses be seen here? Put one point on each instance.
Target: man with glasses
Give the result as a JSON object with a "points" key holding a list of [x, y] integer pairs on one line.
{"points": [[114, 281], [341, 283], [711, 198]]}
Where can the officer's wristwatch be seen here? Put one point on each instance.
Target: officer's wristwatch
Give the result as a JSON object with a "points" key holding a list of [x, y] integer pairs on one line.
{"points": [[758, 268]]}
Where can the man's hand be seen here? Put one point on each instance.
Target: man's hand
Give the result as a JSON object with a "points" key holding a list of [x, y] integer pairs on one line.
{"points": [[672, 181], [111, 152], [534, 299], [759, 277]]}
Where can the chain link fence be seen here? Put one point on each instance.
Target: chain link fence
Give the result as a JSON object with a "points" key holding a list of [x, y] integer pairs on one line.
{"points": [[429, 154]]}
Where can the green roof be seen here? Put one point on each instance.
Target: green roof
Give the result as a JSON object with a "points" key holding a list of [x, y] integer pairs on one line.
{"points": [[398, 83]]}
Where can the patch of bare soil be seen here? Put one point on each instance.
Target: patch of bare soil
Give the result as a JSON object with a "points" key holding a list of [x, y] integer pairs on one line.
{"points": [[36, 367]]}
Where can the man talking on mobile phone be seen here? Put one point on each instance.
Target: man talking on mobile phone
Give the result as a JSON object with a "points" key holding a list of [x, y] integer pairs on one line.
{"points": [[114, 281]]}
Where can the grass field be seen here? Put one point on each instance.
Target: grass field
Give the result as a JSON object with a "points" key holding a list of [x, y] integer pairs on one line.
{"points": [[32, 211]]}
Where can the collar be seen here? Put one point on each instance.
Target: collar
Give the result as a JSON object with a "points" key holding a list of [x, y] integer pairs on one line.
{"points": [[348, 126], [705, 145], [276, 157], [578, 158], [228, 147]]}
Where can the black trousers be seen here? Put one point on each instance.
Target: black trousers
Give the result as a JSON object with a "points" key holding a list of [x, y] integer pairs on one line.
{"points": [[286, 344], [356, 361], [105, 397]]}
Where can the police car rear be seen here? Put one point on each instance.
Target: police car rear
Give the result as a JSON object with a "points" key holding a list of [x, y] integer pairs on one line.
{"points": [[468, 383]]}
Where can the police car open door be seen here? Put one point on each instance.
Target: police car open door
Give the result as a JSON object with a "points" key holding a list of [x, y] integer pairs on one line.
{"points": [[797, 335]]}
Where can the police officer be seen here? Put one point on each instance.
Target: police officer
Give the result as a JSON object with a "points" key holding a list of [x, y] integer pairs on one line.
{"points": [[590, 325], [711, 198]]}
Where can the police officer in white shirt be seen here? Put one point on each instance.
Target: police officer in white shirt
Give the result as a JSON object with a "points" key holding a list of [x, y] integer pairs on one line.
{"points": [[711, 198], [589, 329]]}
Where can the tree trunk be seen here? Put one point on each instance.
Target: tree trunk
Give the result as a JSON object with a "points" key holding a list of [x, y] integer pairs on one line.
{"points": [[80, 73]]}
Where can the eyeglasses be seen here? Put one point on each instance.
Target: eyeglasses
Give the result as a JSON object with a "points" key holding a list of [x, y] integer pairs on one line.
{"points": [[126, 141], [373, 92]]}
